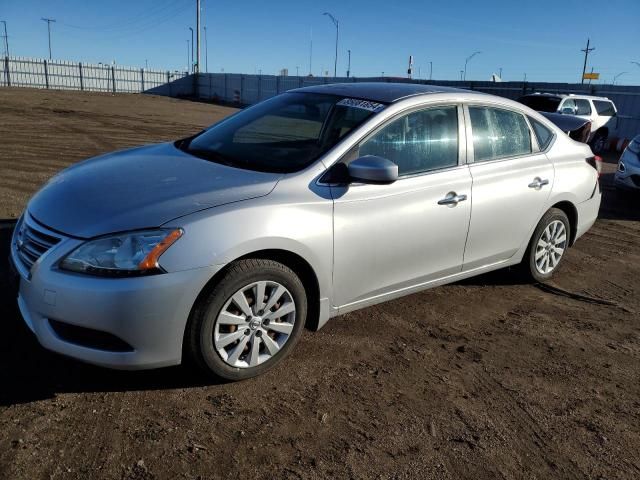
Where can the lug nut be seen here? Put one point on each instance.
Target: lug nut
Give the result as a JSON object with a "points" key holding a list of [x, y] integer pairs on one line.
{"points": [[266, 322], [247, 332], [259, 333]]}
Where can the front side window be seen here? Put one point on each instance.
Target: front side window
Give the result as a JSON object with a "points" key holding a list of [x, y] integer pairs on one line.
{"points": [[604, 108], [584, 107], [419, 142], [568, 106], [283, 134], [498, 133]]}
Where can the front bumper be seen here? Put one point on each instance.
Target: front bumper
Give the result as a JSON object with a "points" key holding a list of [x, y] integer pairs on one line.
{"points": [[630, 178], [148, 313]]}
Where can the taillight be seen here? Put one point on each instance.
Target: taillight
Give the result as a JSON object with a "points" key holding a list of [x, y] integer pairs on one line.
{"points": [[596, 162]]}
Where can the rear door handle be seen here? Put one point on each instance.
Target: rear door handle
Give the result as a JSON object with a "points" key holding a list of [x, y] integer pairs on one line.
{"points": [[538, 183], [452, 199]]}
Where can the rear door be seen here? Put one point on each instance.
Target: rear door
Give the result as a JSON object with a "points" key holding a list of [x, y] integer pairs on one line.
{"points": [[512, 180]]}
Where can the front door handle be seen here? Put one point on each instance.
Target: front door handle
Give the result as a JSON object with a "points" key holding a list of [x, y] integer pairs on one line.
{"points": [[452, 199], [538, 183]]}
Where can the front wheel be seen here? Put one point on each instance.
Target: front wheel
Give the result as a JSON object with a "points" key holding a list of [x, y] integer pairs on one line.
{"points": [[249, 321], [548, 245]]}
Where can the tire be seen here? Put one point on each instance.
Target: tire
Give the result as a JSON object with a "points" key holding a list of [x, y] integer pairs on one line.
{"points": [[598, 142], [548, 227], [257, 342]]}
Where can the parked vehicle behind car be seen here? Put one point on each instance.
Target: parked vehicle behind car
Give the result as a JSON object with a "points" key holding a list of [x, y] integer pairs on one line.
{"points": [[627, 176], [221, 247], [600, 111]]}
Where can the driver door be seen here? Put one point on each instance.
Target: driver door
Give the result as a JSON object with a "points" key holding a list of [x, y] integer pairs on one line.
{"points": [[389, 238]]}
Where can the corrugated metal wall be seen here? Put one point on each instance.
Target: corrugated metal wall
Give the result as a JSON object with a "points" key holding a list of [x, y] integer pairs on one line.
{"points": [[248, 89], [67, 75]]}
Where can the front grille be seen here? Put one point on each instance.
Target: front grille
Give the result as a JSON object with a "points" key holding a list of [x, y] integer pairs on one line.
{"points": [[32, 241]]}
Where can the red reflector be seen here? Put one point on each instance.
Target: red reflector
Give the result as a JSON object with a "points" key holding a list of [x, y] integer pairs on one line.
{"points": [[596, 163]]}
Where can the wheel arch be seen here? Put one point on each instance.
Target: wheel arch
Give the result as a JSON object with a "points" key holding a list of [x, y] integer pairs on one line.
{"points": [[571, 212], [295, 262]]}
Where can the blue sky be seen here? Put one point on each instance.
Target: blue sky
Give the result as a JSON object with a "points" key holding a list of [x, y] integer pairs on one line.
{"points": [[541, 38]]}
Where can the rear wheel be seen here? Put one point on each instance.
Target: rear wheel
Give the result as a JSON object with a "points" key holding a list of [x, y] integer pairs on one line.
{"points": [[249, 321], [547, 246], [598, 142]]}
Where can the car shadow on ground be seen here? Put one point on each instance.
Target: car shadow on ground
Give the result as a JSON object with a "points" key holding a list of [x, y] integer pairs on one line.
{"points": [[29, 373], [618, 204]]}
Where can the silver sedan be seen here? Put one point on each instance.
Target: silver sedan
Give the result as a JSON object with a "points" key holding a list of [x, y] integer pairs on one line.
{"points": [[221, 247]]}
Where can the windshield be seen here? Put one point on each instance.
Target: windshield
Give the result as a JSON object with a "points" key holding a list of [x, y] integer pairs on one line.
{"points": [[541, 103], [283, 134]]}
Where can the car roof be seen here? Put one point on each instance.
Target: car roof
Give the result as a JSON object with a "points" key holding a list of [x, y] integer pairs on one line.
{"points": [[565, 95], [377, 91]]}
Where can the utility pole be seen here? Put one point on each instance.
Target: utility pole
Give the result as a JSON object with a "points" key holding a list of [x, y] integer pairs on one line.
{"points": [[297, 71], [206, 51], [191, 67], [49, 20], [6, 38], [500, 70], [349, 64], [337, 24], [197, 64], [586, 55], [461, 74], [188, 51], [430, 70]]}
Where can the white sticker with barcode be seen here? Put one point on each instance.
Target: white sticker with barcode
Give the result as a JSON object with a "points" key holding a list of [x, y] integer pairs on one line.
{"points": [[363, 104]]}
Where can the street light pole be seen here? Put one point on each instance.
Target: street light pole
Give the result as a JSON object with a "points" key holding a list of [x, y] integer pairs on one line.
{"points": [[206, 51], [6, 38], [337, 24], [467, 61], [430, 70], [191, 67], [616, 77], [349, 64], [49, 20], [637, 63], [196, 67], [188, 51]]}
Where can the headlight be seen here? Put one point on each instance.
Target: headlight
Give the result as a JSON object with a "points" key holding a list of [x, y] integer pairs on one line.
{"points": [[127, 254], [634, 145]]}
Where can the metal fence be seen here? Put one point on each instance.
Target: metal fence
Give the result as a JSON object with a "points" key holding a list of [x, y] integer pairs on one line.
{"points": [[243, 90], [67, 75]]}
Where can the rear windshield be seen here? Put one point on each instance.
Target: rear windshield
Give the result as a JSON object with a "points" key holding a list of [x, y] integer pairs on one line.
{"points": [[541, 103], [283, 134], [604, 108]]}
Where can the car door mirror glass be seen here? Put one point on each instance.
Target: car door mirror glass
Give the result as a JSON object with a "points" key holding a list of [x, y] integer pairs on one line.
{"points": [[568, 111], [373, 169]]}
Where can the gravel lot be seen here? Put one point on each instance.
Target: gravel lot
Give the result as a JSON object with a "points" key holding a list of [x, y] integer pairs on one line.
{"points": [[487, 378]]}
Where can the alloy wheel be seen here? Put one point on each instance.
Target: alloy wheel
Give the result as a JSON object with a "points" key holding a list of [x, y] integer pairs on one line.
{"points": [[254, 324], [551, 247]]}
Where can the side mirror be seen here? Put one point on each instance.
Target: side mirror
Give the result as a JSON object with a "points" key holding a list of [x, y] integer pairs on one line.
{"points": [[569, 111], [372, 169]]}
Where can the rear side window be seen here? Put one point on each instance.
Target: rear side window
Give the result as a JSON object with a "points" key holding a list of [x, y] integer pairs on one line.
{"points": [[584, 107], [543, 134], [604, 108], [419, 141], [498, 133]]}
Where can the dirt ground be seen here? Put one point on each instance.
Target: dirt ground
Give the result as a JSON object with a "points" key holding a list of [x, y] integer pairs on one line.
{"points": [[487, 378]]}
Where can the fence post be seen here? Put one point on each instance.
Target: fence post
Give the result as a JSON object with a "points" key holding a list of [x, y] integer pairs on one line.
{"points": [[241, 88], [46, 74], [6, 66], [225, 87], [278, 85], [80, 71], [142, 78], [259, 87], [113, 78]]}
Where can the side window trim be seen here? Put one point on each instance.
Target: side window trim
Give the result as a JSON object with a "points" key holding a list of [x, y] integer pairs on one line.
{"points": [[535, 149], [462, 137]]}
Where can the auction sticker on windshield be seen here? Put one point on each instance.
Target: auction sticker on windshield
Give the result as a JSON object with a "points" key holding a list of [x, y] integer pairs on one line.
{"points": [[363, 104]]}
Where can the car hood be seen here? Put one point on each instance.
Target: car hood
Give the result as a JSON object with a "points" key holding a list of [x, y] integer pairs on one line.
{"points": [[143, 187]]}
